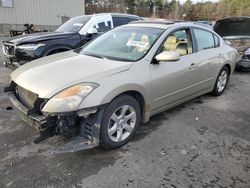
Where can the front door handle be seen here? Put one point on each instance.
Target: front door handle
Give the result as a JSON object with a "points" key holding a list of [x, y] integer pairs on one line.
{"points": [[192, 66]]}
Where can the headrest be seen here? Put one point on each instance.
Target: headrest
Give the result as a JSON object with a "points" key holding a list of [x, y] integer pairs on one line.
{"points": [[172, 40], [144, 38]]}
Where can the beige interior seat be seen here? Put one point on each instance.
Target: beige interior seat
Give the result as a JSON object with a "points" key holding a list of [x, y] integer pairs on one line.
{"points": [[182, 48], [170, 44], [145, 44]]}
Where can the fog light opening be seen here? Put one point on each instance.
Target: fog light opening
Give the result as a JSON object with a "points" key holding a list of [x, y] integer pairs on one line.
{"points": [[63, 126]]}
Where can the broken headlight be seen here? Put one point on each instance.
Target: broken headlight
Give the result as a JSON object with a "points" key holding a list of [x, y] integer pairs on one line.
{"points": [[69, 99]]}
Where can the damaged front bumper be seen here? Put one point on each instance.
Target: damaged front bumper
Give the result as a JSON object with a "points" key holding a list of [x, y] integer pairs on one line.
{"points": [[72, 131]]}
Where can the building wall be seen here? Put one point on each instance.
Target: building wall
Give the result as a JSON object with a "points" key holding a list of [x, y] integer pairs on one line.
{"points": [[42, 13]]}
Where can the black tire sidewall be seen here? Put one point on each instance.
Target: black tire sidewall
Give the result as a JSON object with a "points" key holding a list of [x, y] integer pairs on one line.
{"points": [[215, 91], [105, 141]]}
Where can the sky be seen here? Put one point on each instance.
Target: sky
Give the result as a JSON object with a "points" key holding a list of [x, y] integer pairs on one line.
{"points": [[195, 1]]}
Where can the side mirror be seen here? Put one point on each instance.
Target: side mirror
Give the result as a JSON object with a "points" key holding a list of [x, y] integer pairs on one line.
{"points": [[92, 31], [168, 56]]}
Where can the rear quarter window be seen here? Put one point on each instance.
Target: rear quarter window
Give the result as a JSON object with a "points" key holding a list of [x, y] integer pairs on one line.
{"points": [[216, 41], [133, 19]]}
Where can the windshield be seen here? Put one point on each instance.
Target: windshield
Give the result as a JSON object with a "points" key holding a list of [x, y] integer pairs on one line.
{"points": [[124, 43], [74, 24]]}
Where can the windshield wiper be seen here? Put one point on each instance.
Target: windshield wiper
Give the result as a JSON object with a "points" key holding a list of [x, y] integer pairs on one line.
{"points": [[95, 55]]}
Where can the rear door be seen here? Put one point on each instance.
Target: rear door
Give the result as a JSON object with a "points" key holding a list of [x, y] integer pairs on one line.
{"points": [[209, 57]]}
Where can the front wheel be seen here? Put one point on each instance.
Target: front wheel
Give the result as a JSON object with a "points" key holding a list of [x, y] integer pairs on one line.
{"points": [[221, 82], [120, 121]]}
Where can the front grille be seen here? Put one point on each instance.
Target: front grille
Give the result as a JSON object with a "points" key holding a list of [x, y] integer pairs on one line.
{"points": [[9, 49], [27, 98]]}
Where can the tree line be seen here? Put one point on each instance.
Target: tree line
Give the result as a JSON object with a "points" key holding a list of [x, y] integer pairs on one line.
{"points": [[172, 9]]}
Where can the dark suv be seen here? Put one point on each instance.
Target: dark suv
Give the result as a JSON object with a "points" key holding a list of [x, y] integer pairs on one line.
{"points": [[71, 35]]}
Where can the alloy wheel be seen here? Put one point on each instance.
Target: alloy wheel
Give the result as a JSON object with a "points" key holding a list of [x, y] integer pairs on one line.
{"points": [[222, 81], [122, 123]]}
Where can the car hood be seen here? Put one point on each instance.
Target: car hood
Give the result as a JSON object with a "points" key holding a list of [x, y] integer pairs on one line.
{"points": [[237, 27], [37, 37], [52, 74]]}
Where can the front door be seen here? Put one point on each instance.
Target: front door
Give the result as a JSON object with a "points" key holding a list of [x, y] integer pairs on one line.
{"points": [[172, 81]]}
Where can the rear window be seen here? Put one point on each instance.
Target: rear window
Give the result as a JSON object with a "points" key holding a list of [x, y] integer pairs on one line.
{"points": [[120, 21], [74, 24]]}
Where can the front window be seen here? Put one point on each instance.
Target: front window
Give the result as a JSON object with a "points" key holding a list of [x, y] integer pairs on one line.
{"points": [[74, 24], [179, 41], [125, 43]]}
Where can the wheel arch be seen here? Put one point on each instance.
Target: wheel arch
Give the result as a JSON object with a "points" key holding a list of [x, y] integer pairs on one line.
{"points": [[56, 49], [136, 92], [229, 67]]}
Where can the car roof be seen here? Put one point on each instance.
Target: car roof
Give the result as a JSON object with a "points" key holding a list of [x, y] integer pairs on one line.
{"points": [[112, 14], [165, 24], [150, 21]]}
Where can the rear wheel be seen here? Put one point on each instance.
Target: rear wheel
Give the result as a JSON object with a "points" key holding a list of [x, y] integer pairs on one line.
{"points": [[120, 121], [221, 82]]}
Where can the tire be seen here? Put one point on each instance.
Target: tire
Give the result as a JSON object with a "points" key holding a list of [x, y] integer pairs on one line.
{"points": [[221, 82], [120, 121]]}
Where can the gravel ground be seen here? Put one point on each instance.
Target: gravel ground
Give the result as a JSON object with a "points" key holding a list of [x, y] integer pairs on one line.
{"points": [[204, 143]]}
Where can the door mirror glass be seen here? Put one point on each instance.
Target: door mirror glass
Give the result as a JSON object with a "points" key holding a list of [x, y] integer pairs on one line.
{"points": [[168, 56], [92, 31]]}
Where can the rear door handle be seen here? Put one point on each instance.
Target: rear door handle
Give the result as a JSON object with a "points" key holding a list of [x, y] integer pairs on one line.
{"points": [[192, 66]]}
